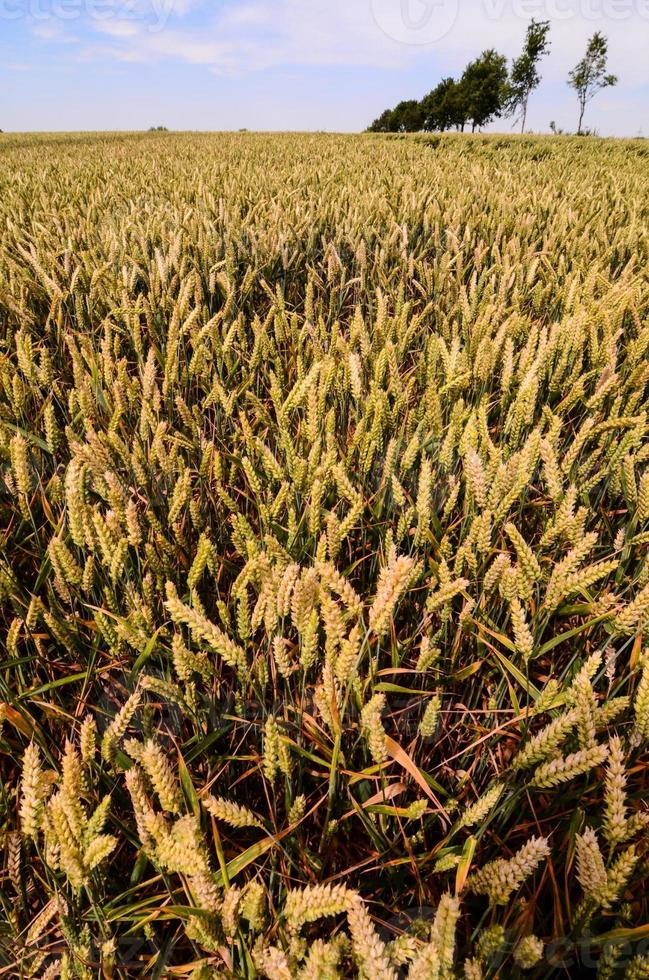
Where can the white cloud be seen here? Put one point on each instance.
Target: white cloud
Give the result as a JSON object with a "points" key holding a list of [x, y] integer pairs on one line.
{"points": [[54, 32], [247, 15], [120, 28], [262, 34], [252, 36], [255, 35]]}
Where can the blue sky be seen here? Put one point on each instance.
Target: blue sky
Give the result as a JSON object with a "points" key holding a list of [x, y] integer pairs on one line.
{"points": [[293, 64]]}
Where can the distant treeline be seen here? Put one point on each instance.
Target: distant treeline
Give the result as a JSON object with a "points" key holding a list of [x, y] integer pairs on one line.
{"points": [[488, 90]]}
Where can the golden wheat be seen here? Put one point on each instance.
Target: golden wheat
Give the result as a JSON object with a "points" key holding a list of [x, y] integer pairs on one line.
{"points": [[324, 584]]}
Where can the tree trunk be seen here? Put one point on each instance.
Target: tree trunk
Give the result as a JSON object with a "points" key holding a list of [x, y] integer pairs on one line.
{"points": [[582, 109], [524, 115]]}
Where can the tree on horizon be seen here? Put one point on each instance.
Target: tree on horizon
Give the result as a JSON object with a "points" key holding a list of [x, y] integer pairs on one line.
{"points": [[590, 74], [444, 107], [524, 76], [484, 88]]}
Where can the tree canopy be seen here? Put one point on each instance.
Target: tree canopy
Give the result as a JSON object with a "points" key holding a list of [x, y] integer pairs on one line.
{"points": [[444, 107], [479, 96], [590, 74], [484, 88], [487, 90], [525, 76]]}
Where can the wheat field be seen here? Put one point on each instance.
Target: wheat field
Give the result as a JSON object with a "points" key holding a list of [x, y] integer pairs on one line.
{"points": [[324, 566]]}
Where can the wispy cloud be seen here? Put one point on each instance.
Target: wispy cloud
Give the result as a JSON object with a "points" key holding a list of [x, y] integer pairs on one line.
{"points": [[260, 34], [406, 44], [54, 32]]}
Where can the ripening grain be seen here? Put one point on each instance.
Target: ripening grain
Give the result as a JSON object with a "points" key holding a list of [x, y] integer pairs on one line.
{"points": [[324, 568]]}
